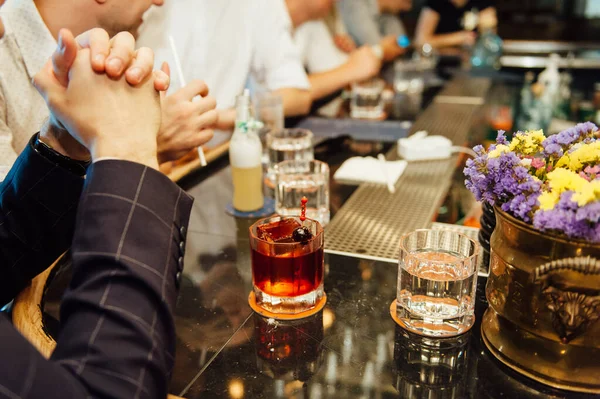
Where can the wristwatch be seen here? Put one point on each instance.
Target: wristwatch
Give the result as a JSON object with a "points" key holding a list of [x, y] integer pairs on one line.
{"points": [[74, 166]]}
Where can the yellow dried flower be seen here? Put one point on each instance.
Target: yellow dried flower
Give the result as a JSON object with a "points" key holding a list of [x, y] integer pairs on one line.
{"points": [[548, 200], [588, 193], [528, 143], [499, 150], [560, 180], [586, 154]]}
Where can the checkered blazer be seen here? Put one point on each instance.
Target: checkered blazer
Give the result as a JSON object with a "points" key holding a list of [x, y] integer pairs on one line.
{"points": [[129, 225]]}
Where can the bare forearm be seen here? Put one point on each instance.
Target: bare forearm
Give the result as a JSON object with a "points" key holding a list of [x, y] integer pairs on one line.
{"points": [[295, 101], [445, 40], [325, 83]]}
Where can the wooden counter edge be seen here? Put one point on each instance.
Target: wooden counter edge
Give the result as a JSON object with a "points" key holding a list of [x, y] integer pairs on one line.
{"points": [[179, 172]]}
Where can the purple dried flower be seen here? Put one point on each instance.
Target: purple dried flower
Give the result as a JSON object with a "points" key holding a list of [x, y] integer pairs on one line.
{"points": [[571, 220], [555, 145], [501, 138], [503, 181], [589, 213]]}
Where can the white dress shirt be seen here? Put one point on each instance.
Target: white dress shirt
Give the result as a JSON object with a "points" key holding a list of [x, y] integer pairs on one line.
{"points": [[26, 46], [317, 48], [224, 43]]}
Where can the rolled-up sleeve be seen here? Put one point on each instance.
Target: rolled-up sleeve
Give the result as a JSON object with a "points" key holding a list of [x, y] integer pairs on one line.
{"points": [[276, 61]]}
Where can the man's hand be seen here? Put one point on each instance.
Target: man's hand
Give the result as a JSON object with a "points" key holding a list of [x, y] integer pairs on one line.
{"points": [[467, 38], [116, 56], [364, 63], [108, 116], [344, 43], [391, 50], [186, 124]]}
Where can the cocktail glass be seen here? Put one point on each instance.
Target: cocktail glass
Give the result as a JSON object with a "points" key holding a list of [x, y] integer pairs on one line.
{"points": [[287, 264]]}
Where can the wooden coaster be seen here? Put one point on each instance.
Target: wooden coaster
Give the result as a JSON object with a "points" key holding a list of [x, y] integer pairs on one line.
{"points": [[394, 314], [286, 316]]}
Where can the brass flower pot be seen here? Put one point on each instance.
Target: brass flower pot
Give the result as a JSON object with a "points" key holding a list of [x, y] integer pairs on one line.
{"points": [[544, 297]]}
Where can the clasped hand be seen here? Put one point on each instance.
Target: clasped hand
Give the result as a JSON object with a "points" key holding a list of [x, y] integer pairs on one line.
{"points": [[104, 98]]}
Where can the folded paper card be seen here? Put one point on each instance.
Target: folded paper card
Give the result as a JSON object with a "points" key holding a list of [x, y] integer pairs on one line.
{"points": [[359, 170]]}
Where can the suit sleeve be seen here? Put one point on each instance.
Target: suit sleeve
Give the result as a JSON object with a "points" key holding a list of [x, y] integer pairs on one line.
{"points": [[38, 206], [117, 338]]}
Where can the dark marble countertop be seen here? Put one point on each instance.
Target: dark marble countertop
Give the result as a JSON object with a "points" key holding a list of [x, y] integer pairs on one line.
{"points": [[351, 349]]}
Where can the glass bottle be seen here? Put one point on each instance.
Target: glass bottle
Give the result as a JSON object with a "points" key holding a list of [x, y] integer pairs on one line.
{"points": [[245, 154], [487, 51]]}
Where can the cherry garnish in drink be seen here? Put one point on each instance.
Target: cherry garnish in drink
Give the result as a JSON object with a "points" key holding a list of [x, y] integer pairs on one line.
{"points": [[302, 234]]}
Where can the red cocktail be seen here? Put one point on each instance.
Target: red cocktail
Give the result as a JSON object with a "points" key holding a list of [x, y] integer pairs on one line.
{"points": [[287, 263]]}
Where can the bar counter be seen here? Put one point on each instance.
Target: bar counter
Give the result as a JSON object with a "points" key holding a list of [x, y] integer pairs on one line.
{"points": [[352, 349]]}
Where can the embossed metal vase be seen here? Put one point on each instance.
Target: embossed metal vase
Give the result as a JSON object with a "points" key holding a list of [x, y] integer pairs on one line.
{"points": [[544, 296]]}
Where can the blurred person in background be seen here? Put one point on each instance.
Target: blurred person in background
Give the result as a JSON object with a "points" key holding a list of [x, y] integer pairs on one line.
{"points": [[337, 28], [31, 32], [329, 68], [451, 23], [228, 43], [375, 22]]}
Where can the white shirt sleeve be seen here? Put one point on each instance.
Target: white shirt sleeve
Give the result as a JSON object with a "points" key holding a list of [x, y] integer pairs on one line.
{"points": [[276, 63], [317, 48]]}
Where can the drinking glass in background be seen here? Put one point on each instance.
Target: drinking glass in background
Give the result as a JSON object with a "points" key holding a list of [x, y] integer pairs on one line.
{"points": [[286, 145], [409, 84], [408, 76], [287, 267], [269, 110], [366, 101], [297, 179], [437, 278]]}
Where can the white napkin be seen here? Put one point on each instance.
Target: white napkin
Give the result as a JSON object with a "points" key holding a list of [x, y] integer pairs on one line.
{"points": [[359, 170]]}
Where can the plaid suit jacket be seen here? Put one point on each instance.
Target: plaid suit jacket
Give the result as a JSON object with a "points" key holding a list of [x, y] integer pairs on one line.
{"points": [[129, 225]]}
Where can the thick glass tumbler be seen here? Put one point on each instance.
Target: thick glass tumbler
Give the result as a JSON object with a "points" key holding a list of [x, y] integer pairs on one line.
{"points": [[297, 179], [367, 99], [287, 265], [287, 145], [437, 281]]}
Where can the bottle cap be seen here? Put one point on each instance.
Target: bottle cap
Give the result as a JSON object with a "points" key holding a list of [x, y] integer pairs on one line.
{"points": [[403, 41]]}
